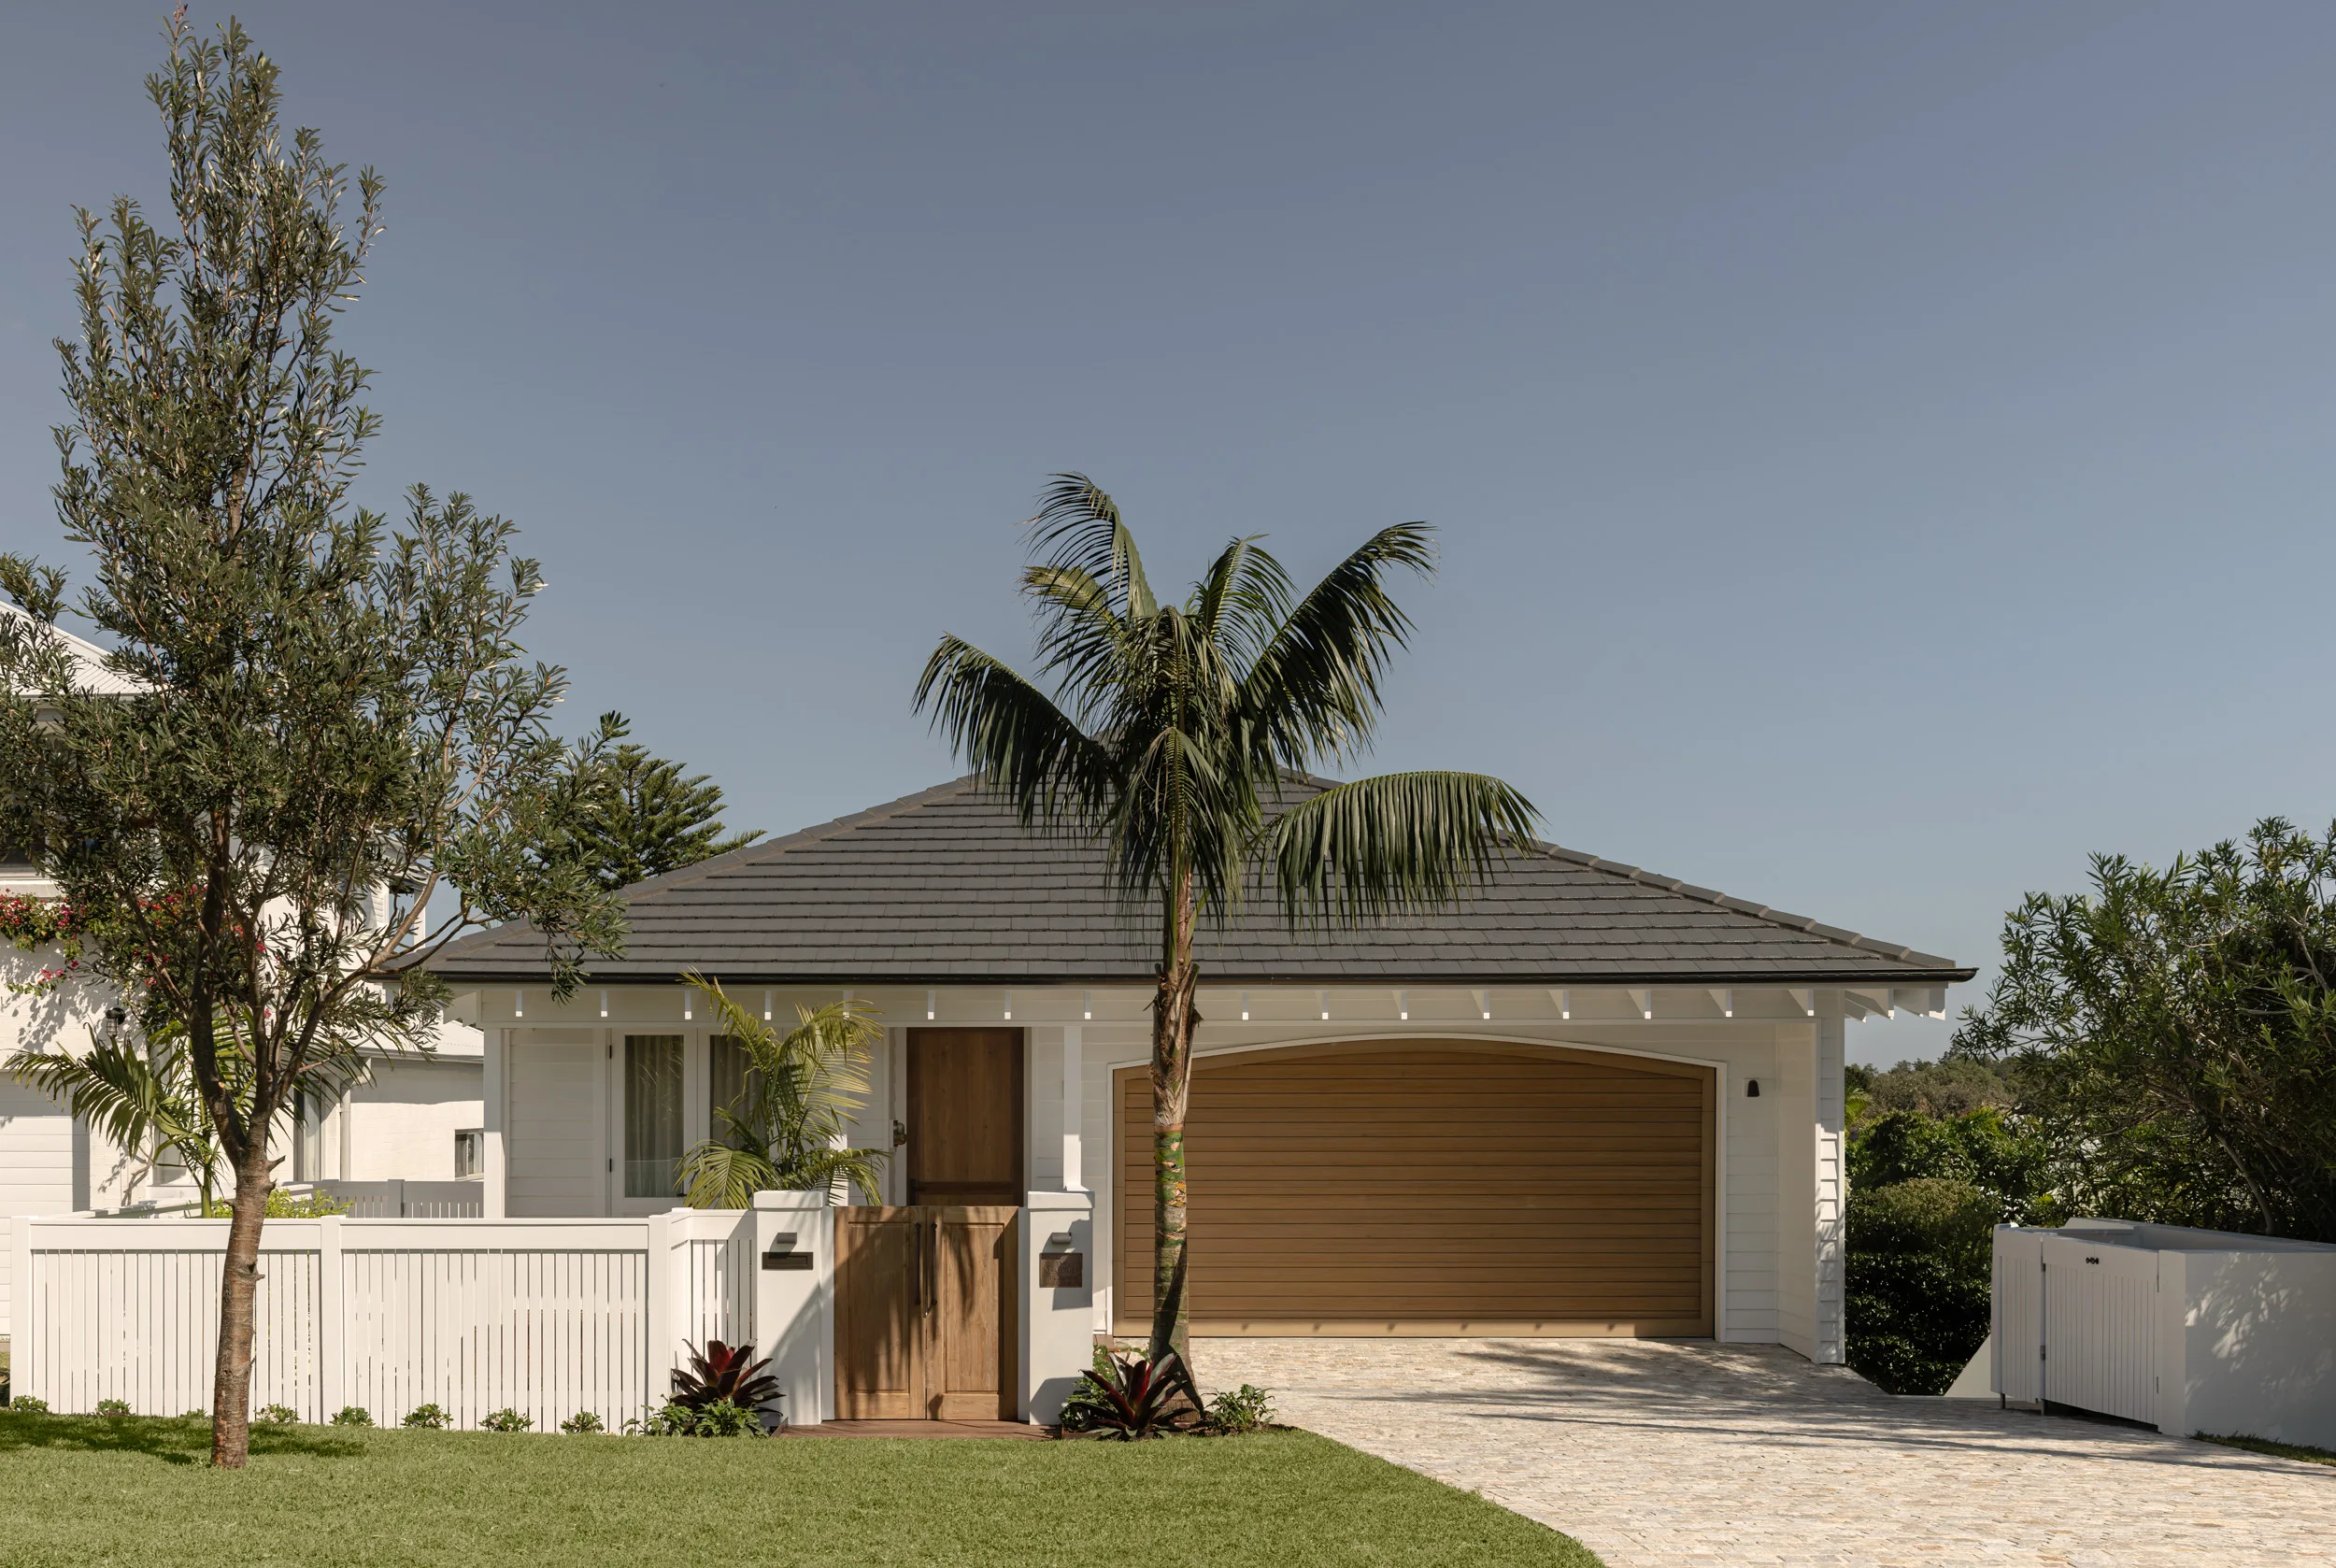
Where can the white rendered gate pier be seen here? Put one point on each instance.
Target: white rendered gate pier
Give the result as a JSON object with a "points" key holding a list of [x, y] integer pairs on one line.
{"points": [[549, 1317]]}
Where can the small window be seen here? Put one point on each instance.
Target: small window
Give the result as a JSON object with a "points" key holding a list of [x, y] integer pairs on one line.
{"points": [[470, 1152]]}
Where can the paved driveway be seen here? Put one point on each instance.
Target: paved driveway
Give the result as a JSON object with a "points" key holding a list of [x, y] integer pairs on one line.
{"points": [[1662, 1454]]}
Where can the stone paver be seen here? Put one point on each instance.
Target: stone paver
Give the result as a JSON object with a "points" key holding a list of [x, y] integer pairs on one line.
{"points": [[1659, 1454]]}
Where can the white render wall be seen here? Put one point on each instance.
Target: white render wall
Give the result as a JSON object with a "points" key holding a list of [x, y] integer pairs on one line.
{"points": [[1779, 1178]]}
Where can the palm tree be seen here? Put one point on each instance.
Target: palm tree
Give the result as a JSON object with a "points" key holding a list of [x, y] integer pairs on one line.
{"points": [[139, 1099], [785, 1129], [1175, 736]]}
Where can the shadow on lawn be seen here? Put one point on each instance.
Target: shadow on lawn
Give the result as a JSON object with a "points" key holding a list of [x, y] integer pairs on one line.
{"points": [[172, 1441]]}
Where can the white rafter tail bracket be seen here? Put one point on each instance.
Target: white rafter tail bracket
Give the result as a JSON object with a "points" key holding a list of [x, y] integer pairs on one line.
{"points": [[1484, 1003], [1644, 1000], [1245, 1006], [1564, 1003], [519, 1003], [1009, 1006], [1403, 1007], [1805, 1001], [766, 1007], [1726, 1001], [603, 1004], [1322, 1000], [1086, 1006], [1928, 1002], [928, 1007]]}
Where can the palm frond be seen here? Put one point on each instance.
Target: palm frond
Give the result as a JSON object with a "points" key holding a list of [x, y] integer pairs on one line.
{"points": [[1013, 736], [786, 1128], [1240, 601], [1315, 689], [1078, 526], [1398, 843]]}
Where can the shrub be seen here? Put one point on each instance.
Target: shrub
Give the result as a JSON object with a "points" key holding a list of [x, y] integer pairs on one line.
{"points": [[427, 1417], [113, 1407], [580, 1423], [196, 1416], [505, 1419], [352, 1416], [284, 1205], [720, 1418], [276, 1415], [28, 1405], [1242, 1409], [1919, 1281]]}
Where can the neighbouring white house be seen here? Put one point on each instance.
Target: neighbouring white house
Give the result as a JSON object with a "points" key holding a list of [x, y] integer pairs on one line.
{"points": [[415, 1116], [1590, 1101]]}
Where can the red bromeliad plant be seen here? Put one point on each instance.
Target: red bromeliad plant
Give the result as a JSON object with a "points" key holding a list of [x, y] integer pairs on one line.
{"points": [[723, 1374]]}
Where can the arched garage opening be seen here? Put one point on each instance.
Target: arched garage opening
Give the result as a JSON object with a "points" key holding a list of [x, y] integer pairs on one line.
{"points": [[1430, 1187]]}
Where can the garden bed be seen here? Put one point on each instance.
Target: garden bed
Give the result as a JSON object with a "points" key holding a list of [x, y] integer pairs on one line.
{"points": [[86, 1490]]}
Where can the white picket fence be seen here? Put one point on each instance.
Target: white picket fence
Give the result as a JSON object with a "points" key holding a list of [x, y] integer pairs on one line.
{"points": [[403, 1200], [547, 1316]]}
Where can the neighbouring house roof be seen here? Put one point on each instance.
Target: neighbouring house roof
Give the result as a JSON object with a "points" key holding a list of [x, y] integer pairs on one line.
{"points": [[89, 660], [946, 888]]}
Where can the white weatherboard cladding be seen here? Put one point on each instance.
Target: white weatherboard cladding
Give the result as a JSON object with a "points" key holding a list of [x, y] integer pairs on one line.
{"points": [[558, 1139], [1780, 1181]]}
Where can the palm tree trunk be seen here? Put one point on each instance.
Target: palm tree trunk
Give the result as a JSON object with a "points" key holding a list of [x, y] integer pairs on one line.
{"points": [[231, 1384], [1172, 1018]]}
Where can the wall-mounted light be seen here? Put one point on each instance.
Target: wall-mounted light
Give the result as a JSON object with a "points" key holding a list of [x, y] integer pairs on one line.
{"points": [[116, 1016], [1752, 1088]]}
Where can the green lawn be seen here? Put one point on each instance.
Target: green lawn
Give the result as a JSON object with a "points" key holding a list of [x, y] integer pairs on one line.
{"points": [[85, 1491]]}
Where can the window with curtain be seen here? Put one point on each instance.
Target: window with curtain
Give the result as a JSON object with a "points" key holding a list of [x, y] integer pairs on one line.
{"points": [[652, 1115], [727, 1073]]}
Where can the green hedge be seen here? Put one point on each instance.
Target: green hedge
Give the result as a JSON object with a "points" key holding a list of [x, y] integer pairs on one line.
{"points": [[1919, 1281]]}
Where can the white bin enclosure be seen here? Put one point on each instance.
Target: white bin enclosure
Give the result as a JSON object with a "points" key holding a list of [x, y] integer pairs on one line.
{"points": [[2188, 1331]]}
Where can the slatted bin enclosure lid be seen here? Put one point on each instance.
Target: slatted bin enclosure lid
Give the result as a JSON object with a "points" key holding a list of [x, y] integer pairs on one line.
{"points": [[1430, 1187]]}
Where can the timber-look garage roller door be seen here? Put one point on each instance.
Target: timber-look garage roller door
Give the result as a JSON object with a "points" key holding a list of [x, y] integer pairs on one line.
{"points": [[1431, 1187]]}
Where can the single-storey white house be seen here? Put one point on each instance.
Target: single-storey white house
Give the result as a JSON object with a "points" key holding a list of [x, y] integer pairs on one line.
{"points": [[1590, 1101]]}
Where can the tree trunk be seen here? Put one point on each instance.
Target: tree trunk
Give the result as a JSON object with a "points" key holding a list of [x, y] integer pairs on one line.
{"points": [[231, 1384], [1172, 1018]]}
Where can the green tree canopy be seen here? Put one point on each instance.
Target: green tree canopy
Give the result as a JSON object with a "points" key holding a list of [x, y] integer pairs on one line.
{"points": [[326, 751], [630, 815], [2173, 1033]]}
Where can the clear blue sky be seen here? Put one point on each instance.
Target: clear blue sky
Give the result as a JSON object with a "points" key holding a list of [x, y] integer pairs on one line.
{"points": [[1882, 451]]}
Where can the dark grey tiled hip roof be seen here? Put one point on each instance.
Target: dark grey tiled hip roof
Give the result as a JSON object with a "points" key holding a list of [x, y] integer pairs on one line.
{"points": [[946, 888]]}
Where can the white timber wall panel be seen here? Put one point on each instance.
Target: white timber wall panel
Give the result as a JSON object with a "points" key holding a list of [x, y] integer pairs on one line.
{"points": [[403, 1122], [558, 1140], [1750, 1167], [1042, 1088], [1796, 1190], [1832, 1187]]}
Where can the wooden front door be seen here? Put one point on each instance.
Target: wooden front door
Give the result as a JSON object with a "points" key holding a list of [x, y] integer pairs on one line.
{"points": [[965, 1117], [924, 1313]]}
